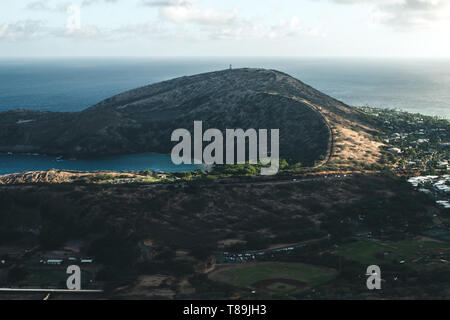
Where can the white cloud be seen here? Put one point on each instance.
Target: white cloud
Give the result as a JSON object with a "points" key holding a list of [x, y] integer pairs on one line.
{"points": [[29, 29], [84, 32], [90, 2], [19, 30], [178, 19], [247, 30], [38, 6], [149, 29], [61, 6], [188, 11], [166, 3], [189, 14], [414, 13], [404, 14], [293, 28], [219, 24], [241, 31]]}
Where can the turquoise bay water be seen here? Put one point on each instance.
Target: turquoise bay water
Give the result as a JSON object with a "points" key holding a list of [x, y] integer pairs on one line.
{"points": [[136, 162]]}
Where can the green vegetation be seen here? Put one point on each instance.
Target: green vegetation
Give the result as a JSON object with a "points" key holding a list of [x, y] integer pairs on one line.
{"points": [[242, 170], [423, 141], [414, 253]]}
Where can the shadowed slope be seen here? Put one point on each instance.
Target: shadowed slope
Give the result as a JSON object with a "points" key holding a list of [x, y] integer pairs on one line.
{"points": [[143, 119]]}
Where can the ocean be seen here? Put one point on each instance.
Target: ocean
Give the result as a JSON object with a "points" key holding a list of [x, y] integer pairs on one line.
{"points": [[14, 163], [74, 84]]}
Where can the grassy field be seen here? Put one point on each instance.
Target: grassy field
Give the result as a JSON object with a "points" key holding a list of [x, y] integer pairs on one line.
{"points": [[247, 275], [415, 252]]}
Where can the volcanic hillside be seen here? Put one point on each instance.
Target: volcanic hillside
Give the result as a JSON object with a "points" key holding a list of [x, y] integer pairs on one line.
{"points": [[314, 127]]}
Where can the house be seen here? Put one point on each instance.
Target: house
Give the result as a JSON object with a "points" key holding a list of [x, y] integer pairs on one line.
{"points": [[442, 164], [422, 141], [87, 261], [396, 136], [443, 203], [54, 262], [395, 150], [426, 191], [441, 186]]}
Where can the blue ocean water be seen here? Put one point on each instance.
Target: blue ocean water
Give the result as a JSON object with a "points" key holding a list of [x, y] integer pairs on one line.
{"points": [[75, 84], [137, 162]]}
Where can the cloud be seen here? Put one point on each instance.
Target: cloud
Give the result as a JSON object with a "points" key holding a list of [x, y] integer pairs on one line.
{"points": [[293, 28], [24, 29], [73, 29], [188, 14], [178, 19], [84, 32], [48, 6], [218, 24], [284, 29], [148, 29], [207, 23], [404, 14], [38, 6], [166, 3], [91, 2], [413, 13], [58, 6]]}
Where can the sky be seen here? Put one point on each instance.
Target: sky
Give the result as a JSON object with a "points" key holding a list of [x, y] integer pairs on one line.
{"points": [[255, 28]]}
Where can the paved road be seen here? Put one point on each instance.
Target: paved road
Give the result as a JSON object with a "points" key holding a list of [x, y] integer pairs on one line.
{"points": [[256, 183], [48, 290], [289, 181]]}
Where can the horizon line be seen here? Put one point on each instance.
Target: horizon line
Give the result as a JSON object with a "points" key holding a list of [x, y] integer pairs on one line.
{"points": [[229, 57]]}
